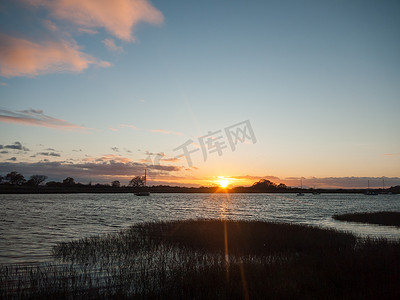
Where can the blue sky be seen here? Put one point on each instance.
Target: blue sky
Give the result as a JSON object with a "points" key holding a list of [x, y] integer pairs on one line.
{"points": [[318, 80]]}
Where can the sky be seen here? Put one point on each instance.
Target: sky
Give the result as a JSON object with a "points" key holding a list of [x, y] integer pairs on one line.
{"points": [[282, 90]]}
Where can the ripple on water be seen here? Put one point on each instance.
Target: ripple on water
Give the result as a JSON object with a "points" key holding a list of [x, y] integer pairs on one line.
{"points": [[31, 224]]}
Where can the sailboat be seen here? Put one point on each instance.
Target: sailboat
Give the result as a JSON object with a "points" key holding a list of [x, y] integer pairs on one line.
{"points": [[383, 188], [315, 192], [369, 192], [143, 192], [300, 193]]}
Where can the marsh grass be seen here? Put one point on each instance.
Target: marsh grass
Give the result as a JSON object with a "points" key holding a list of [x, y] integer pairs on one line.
{"points": [[214, 259], [388, 218]]}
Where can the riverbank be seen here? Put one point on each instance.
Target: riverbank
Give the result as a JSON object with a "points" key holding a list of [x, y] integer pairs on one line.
{"points": [[107, 189], [387, 218], [221, 259]]}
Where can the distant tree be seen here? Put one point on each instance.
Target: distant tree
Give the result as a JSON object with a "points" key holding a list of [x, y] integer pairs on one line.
{"points": [[15, 178], [1, 179], [282, 186], [53, 183], [116, 184], [35, 180], [136, 181], [264, 184], [68, 181], [395, 189]]}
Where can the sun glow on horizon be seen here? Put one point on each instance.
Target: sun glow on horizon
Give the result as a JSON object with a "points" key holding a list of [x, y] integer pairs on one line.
{"points": [[223, 182]]}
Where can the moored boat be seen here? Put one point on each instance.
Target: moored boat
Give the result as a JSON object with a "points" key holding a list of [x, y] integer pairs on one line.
{"points": [[143, 192]]}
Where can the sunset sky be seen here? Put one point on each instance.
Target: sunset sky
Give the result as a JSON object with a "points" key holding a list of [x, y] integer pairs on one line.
{"points": [[101, 90]]}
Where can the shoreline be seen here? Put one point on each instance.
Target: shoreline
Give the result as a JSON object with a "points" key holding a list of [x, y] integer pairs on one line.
{"points": [[176, 189], [385, 218]]}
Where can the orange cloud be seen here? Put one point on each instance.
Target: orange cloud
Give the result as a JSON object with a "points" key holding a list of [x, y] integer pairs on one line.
{"points": [[117, 16], [20, 57], [166, 131], [172, 159], [127, 126], [34, 117]]}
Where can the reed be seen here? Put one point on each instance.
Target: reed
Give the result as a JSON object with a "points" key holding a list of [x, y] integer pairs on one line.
{"points": [[206, 259]]}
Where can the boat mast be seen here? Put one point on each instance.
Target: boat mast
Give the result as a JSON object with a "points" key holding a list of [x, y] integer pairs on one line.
{"points": [[145, 177]]}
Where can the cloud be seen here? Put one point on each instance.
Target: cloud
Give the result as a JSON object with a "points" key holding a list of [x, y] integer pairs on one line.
{"points": [[109, 158], [392, 154], [338, 182], [127, 126], [50, 25], [109, 43], [146, 161], [115, 149], [88, 31], [118, 17], [12, 158], [256, 178], [166, 131], [15, 146], [4, 151], [48, 154], [87, 170], [32, 117], [21, 57], [165, 168], [162, 154], [122, 126], [171, 159], [324, 182], [3, 84]]}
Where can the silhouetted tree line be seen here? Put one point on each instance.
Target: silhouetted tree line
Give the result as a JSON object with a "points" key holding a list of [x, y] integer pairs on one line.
{"points": [[17, 179], [264, 184], [15, 182]]}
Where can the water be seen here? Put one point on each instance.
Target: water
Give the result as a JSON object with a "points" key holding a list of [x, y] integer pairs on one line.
{"points": [[31, 224]]}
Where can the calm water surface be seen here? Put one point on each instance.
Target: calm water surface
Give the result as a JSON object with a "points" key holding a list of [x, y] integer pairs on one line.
{"points": [[31, 224]]}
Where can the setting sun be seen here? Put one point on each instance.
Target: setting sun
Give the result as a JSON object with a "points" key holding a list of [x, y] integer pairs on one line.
{"points": [[223, 183]]}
